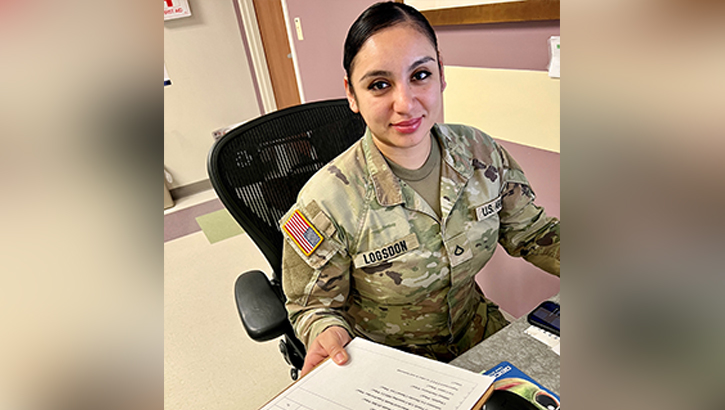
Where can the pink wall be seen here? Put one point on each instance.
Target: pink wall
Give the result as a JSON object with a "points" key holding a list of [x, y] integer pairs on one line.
{"points": [[513, 283], [325, 24], [319, 55], [520, 46]]}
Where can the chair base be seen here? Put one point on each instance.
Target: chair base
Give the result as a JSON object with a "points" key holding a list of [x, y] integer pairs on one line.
{"points": [[292, 356]]}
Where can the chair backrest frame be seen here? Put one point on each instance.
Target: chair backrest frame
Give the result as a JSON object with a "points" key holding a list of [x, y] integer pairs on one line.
{"points": [[273, 156]]}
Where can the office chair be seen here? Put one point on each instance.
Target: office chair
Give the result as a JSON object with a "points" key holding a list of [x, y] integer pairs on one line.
{"points": [[257, 170]]}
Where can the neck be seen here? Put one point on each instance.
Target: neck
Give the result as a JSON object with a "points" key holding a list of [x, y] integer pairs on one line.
{"points": [[408, 157]]}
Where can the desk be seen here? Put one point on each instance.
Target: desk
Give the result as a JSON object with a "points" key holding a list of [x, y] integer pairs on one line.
{"points": [[511, 344]]}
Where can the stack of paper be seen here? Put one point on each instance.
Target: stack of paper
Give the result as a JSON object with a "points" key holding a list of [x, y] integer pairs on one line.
{"points": [[547, 338]]}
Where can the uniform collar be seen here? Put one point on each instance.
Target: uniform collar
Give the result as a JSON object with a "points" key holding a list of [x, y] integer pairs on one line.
{"points": [[454, 153], [387, 186]]}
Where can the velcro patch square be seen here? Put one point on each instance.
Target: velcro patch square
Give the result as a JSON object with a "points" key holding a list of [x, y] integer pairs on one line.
{"points": [[302, 233]]}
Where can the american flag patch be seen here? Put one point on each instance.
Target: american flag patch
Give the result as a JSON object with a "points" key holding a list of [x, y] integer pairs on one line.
{"points": [[302, 232]]}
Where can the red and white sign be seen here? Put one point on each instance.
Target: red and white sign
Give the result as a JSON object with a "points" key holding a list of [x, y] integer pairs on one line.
{"points": [[174, 9]]}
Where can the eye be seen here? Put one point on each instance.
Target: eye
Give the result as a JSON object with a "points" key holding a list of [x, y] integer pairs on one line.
{"points": [[421, 75], [378, 85]]}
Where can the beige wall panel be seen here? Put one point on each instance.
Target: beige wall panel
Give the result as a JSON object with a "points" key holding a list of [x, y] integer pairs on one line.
{"points": [[211, 86], [513, 105], [422, 5]]}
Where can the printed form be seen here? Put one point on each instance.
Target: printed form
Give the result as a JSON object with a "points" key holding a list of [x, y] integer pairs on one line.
{"points": [[378, 377]]}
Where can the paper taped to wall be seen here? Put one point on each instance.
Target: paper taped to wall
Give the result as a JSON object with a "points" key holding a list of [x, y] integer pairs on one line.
{"points": [[554, 60]]}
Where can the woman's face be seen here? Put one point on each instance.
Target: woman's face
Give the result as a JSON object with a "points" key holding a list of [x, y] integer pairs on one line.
{"points": [[397, 86]]}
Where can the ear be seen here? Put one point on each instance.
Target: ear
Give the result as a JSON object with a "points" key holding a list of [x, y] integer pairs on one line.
{"points": [[351, 96]]}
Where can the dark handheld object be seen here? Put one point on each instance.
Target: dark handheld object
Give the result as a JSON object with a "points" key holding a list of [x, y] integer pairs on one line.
{"points": [[546, 316], [257, 170], [506, 400]]}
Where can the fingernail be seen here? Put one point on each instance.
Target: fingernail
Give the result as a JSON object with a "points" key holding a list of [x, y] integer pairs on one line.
{"points": [[339, 358]]}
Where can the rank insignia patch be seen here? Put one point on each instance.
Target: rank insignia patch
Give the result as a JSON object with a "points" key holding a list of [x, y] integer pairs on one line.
{"points": [[302, 233]]}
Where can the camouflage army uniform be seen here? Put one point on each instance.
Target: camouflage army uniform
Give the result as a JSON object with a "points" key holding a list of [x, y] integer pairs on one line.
{"points": [[385, 267]]}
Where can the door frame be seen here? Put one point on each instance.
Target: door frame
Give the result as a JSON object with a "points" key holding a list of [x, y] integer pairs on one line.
{"points": [[272, 28], [256, 52]]}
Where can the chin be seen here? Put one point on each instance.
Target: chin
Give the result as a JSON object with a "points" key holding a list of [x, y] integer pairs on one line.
{"points": [[407, 140]]}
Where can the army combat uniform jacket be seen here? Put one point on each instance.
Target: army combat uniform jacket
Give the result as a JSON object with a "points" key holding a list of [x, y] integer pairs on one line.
{"points": [[366, 252]]}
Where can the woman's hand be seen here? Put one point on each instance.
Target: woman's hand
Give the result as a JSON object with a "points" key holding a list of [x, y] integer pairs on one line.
{"points": [[329, 343]]}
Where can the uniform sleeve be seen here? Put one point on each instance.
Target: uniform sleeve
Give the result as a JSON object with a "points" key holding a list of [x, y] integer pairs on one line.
{"points": [[526, 231], [317, 286]]}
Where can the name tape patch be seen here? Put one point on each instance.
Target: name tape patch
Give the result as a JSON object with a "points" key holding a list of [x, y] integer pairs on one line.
{"points": [[302, 233], [488, 209], [386, 252]]}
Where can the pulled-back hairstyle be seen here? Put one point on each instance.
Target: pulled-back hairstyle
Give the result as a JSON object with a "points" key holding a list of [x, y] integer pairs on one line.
{"points": [[378, 17]]}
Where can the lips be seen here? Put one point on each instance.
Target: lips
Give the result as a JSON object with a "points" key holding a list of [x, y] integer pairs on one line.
{"points": [[408, 126]]}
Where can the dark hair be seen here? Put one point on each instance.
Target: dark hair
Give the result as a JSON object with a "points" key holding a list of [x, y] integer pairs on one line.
{"points": [[380, 16]]}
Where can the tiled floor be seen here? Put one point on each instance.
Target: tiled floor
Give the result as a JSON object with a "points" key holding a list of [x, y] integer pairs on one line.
{"points": [[209, 361]]}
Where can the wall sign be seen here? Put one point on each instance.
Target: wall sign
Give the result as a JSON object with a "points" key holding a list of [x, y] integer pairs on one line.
{"points": [[554, 57], [174, 9]]}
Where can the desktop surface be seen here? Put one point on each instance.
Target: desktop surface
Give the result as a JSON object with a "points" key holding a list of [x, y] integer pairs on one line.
{"points": [[511, 344]]}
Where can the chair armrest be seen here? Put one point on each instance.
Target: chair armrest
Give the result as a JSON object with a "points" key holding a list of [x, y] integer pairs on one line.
{"points": [[261, 310]]}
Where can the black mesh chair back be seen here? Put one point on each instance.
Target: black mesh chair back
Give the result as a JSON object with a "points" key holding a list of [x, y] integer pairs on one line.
{"points": [[258, 169]]}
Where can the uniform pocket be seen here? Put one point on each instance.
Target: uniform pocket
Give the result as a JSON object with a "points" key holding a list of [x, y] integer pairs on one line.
{"points": [[409, 275]]}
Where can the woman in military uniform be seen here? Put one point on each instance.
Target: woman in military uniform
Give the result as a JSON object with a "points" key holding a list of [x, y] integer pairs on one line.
{"points": [[385, 241]]}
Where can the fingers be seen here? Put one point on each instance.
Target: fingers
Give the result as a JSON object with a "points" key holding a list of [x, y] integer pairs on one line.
{"points": [[329, 343], [310, 363], [334, 343]]}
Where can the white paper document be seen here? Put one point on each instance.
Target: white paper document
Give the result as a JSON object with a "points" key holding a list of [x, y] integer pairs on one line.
{"points": [[547, 338], [382, 378]]}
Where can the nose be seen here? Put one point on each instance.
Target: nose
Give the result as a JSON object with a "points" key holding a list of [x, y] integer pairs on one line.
{"points": [[404, 99]]}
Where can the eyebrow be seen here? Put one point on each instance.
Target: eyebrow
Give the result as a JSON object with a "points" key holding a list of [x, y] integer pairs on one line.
{"points": [[383, 73]]}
